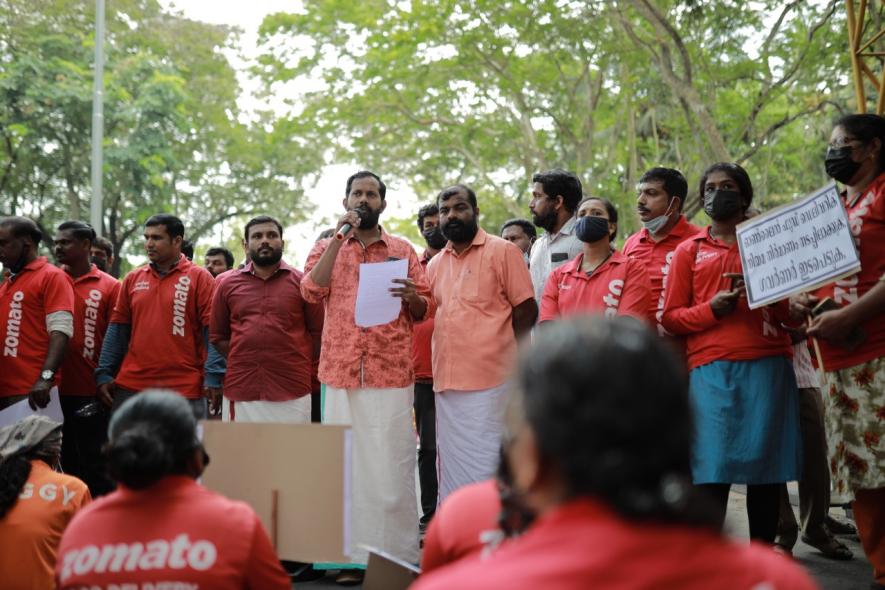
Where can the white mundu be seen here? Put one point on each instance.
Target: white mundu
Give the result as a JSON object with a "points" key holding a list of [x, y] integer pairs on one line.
{"points": [[294, 411]]}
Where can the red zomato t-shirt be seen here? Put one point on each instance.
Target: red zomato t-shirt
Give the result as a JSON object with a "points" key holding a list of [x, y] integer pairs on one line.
{"points": [[167, 315], [744, 334], [619, 286], [94, 296], [25, 300], [456, 529], [866, 216], [657, 257], [174, 534], [583, 545]]}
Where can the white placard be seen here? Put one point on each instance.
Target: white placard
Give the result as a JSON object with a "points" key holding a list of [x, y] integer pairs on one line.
{"points": [[375, 304], [796, 247], [21, 410]]}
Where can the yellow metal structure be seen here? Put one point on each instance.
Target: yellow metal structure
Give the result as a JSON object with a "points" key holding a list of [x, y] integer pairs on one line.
{"points": [[864, 57]]}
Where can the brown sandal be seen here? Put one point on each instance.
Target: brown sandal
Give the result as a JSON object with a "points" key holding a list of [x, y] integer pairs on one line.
{"points": [[830, 547]]}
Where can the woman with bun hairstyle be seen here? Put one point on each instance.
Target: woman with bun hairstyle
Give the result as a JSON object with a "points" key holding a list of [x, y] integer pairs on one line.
{"points": [[161, 526]]}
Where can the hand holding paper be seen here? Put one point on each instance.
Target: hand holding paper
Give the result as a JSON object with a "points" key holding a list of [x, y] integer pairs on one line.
{"points": [[375, 303]]}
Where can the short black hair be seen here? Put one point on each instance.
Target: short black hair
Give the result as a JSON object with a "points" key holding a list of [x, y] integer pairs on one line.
{"points": [[80, 230], [259, 220], [559, 182], [187, 248], [220, 251], [174, 226], [626, 439], [866, 127], [453, 190], [734, 172], [426, 211], [610, 209], [23, 227], [673, 180], [527, 226], [382, 188], [105, 244]]}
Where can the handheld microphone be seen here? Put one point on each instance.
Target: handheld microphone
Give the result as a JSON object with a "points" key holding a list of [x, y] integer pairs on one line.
{"points": [[342, 233]]}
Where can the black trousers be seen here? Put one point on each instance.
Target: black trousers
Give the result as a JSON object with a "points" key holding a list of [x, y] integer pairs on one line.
{"points": [[82, 441], [763, 505], [425, 422]]}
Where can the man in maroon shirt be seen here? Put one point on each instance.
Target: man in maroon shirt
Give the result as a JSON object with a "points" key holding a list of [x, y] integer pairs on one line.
{"points": [[268, 333]]}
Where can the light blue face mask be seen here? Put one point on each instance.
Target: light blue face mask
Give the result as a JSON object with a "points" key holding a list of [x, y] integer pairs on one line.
{"points": [[657, 224]]}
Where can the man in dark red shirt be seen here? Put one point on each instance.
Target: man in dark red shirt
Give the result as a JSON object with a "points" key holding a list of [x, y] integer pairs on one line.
{"points": [[86, 423], [268, 332], [36, 316], [159, 328], [425, 409]]}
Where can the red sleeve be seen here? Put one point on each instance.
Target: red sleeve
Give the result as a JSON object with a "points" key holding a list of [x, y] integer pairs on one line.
{"points": [[113, 295], [416, 273], [517, 281], [310, 291], [122, 314], [636, 298], [550, 298], [263, 569], [434, 555], [219, 326], [204, 296], [680, 317], [58, 294]]}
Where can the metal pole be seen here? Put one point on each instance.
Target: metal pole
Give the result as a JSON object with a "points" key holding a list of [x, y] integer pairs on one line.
{"points": [[95, 209]]}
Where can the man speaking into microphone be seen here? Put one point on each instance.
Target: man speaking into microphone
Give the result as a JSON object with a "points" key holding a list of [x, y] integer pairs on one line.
{"points": [[368, 372]]}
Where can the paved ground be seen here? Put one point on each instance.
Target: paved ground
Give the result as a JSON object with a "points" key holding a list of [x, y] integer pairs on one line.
{"points": [[831, 575]]}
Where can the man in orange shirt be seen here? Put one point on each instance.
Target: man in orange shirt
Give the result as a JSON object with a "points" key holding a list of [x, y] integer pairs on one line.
{"points": [[86, 424], [485, 301], [36, 316], [368, 371], [158, 334], [36, 502]]}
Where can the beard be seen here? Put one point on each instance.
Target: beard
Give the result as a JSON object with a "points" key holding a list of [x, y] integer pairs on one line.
{"points": [[100, 263], [460, 232], [268, 259], [368, 218], [545, 221]]}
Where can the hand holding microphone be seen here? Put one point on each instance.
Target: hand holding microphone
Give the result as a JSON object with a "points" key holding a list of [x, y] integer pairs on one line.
{"points": [[347, 224]]}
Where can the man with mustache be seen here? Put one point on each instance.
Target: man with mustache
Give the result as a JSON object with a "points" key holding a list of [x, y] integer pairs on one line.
{"points": [[102, 254], [267, 331], [555, 197], [160, 324], [662, 193], [368, 371], [485, 301]]}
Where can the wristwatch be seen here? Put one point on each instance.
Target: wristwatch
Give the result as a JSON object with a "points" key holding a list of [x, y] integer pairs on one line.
{"points": [[47, 375]]}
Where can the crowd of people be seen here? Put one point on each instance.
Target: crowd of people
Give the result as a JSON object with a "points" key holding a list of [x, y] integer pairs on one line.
{"points": [[552, 447]]}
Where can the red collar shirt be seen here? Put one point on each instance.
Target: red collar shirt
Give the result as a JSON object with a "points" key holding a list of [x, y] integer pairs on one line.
{"points": [[583, 545], [620, 286], [271, 329], [657, 257], [94, 296], [174, 534], [866, 216], [25, 300], [744, 334], [167, 314], [351, 356], [422, 334]]}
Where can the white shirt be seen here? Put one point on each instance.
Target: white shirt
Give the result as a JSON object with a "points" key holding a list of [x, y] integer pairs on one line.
{"points": [[550, 251], [806, 374]]}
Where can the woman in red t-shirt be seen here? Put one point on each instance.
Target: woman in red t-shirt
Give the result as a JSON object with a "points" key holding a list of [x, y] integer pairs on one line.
{"points": [[600, 279], [852, 336], [161, 526]]}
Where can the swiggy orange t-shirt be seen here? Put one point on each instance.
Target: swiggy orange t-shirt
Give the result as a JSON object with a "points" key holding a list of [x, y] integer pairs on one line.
{"points": [[31, 531]]}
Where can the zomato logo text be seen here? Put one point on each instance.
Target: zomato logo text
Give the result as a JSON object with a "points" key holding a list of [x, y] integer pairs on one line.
{"points": [[159, 554]]}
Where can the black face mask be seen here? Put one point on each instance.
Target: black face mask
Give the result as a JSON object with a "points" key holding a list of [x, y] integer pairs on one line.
{"points": [[839, 164], [721, 205], [460, 232], [591, 229], [434, 238]]}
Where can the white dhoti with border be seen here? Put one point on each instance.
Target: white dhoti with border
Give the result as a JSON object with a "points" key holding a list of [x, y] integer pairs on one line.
{"points": [[469, 427], [384, 508], [293, 411]]}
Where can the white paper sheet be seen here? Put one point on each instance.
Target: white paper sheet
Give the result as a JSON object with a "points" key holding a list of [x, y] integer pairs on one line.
{"points": [[21, 410], [375, 304]]}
